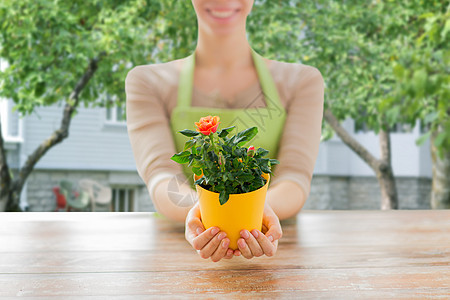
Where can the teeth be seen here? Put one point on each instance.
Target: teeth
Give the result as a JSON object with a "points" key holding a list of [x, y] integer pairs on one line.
{"points": [[222, 14]]}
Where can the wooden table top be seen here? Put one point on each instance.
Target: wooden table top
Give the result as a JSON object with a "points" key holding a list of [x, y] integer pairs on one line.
{"points": [[323, 254]]}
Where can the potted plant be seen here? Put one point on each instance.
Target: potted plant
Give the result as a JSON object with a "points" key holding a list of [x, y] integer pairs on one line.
{"points": [[231, 180]]}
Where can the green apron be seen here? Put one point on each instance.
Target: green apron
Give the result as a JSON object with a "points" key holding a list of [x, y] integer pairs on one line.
{"points": [[269, 119]]}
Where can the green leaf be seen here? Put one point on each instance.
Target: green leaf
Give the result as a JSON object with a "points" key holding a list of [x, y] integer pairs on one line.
{"points": [[189, 144], [440, 139], [423, 138], [197, 171], [189, 133], [223, 197], [181, 158], [265, 169], [262, 152], [245, 136], [245, 177], [274, 162], [224, 132]]}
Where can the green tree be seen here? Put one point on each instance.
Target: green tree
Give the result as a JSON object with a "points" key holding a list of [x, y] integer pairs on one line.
{"points": [[69, 52], [422, 90], [356, 45]]}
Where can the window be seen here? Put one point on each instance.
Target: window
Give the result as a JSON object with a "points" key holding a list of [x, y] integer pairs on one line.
{"points": [[123, 199], [12, 123], [114, 114], [401, 128], [396, 128], [361, 127]]}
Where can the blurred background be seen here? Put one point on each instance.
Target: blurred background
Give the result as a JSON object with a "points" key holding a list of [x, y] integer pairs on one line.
{"points": [[64, 143]]}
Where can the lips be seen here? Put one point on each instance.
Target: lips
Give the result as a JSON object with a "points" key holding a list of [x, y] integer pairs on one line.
{"points": [[222, 13]]}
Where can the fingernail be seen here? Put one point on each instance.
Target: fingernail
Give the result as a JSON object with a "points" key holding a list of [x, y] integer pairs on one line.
{"points": [[215, 230], [225, 243], [221, 235], [242, 244], [255, 233], [245, 234], [270, 238], [199, 230]]}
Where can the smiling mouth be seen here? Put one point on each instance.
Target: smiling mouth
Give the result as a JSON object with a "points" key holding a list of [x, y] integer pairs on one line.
{"points": [[222, 14]]}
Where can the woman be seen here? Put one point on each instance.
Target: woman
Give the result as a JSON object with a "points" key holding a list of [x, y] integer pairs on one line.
{"points": [[225, 74]]}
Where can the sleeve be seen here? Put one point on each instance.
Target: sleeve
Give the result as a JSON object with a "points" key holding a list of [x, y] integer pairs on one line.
{"points": [[300, 141], [148, 128]]}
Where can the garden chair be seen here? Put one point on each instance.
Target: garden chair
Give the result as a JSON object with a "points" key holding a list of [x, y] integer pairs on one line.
{"points": [[99, 194], [75, 201]]}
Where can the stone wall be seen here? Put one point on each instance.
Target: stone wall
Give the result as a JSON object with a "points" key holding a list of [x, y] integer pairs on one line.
{"points": [[334, 192], [40, 185]]}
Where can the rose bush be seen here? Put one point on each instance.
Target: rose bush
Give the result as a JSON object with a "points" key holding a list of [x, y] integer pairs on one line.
{"points": [[226, 166]]}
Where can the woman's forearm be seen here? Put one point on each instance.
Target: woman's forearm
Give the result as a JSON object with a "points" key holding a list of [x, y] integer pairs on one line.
{"points": [[174, 204], [286, 198]]}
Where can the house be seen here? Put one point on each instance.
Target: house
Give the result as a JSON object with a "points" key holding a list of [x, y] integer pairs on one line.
{"points": [[97, 148]]}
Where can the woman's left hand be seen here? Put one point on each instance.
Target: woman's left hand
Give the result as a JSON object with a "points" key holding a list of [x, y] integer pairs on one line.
{"points": [[257, 243]]}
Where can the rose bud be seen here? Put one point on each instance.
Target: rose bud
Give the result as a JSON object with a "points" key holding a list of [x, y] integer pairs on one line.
{"points": [[251, 151], [221, 159]]}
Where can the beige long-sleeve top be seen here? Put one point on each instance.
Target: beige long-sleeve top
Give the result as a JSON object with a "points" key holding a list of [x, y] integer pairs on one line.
{"points": [[151, 95]]}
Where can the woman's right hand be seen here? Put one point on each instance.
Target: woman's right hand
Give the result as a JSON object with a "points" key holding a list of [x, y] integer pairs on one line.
{"points": [[211, 243]]}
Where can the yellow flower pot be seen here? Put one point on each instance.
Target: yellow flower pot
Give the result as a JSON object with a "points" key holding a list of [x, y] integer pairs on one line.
{"points": [[241, 211]]}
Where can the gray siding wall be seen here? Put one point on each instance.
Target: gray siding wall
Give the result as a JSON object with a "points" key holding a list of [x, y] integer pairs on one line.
{"points": [[92, 144]]}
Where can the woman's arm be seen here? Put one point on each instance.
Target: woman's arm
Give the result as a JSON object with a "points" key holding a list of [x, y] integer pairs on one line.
{"points": [[173, 200], [151, 140], [286, 198], [299, 146]]}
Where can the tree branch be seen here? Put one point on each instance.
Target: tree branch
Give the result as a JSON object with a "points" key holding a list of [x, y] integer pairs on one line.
{"points": [[63, 132], [353, 144], [5, 178], [385, 149]]}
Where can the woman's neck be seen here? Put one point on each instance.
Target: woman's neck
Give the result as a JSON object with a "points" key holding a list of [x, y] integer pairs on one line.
{"points": [[223, 53]]}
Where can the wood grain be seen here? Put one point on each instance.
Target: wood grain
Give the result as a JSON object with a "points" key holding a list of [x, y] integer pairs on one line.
{"points": [[323, 254]]}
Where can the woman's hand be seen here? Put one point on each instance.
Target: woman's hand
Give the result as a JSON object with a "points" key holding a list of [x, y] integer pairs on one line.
{"points": [[210, 243], [258, 243]]}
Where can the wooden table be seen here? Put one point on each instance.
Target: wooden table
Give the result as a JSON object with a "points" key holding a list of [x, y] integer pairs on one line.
{"points": [[323, 254]]}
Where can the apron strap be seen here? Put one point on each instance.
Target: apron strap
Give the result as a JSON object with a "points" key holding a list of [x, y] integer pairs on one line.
{"points": [[186, 81], [268, 86], [266, 81]]}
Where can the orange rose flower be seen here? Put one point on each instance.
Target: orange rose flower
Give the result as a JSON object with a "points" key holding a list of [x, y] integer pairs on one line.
{"points": [[207, 125]]}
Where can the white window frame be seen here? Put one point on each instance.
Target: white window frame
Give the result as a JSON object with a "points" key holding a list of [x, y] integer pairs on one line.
{"points": [[5, 111], [116, 201], [114, 114]]}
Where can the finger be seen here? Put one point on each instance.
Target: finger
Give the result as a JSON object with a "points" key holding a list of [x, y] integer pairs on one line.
{"points": [[230, 254], [274, 227], [213, 244], [252, 243], [244, 249], [265, 244], [203, 238], [194, 225], [237, 252], [264, 228], [221, 251], [194, 229]]}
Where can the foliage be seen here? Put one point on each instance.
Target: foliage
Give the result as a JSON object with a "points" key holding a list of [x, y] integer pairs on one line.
{"points": [[384, 61], [48, 45], [226, 166], [422, 74]]}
